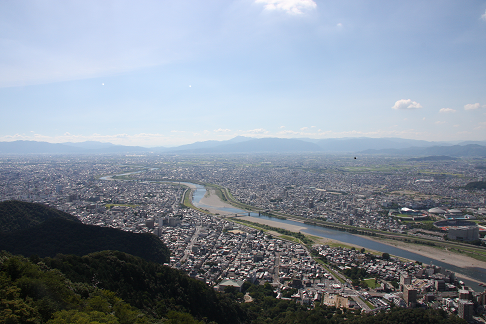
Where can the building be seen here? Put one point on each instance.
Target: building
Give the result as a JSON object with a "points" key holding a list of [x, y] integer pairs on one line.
{"points": [[465, 294], [258, 257], [174, 221], [158, 231], [150, 223], [405, 279], [440, 285], [230, 283], [463, 233], [410, 295], [163, 221], [465, 309], [481, 298], [429, 298], [437, 210]]}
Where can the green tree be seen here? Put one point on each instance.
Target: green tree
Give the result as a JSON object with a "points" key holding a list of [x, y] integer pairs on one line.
{"points": [[14, 309], [76, 317], [181, 318]]}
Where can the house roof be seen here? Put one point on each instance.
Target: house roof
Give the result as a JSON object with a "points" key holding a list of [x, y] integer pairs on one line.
{"points": [[229, 282]]}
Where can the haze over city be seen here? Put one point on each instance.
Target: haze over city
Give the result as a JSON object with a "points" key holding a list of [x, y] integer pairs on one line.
{"points": [[164, 73]]}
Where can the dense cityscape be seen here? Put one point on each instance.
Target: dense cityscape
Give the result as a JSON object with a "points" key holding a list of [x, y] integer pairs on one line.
{"points": [[146, 194]]}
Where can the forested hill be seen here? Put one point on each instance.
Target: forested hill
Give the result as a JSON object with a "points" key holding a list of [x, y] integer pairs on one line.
{"points": [[476, 185], [33, 291], [151, 287], [71, 289], [67, 237], [45, 232], [19, 215]]}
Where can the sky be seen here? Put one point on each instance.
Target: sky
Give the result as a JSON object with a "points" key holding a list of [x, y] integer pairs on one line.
{"points": [[167, 73]]}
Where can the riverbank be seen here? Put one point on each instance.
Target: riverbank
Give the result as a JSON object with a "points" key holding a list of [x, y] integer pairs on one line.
{"points": [[212, 202], [455, 259], [295, 228], [438, 253]]}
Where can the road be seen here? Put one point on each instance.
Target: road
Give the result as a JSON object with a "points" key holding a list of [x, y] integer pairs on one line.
{"points": [[188, 250], [277, 268]]}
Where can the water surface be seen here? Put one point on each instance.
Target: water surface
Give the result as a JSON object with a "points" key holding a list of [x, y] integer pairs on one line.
{"points": [[351, 239]]}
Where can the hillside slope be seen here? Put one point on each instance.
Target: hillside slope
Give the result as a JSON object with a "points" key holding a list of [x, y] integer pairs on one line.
{"points": [[19, 215], [149, 286], [34, 229]]}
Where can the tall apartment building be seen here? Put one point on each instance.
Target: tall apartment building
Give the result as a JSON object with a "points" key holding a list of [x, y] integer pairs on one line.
{"points": [[409, 295], [465, 309], [405, 279]]}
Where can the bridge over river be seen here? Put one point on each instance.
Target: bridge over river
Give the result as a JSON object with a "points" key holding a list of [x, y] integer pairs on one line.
{"points": [[478, 275]]}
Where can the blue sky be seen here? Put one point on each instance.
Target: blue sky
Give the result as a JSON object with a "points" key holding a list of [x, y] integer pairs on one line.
{"points": [[165, 73]]}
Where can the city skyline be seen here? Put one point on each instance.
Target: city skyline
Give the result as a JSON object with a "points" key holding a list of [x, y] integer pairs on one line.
{"points": [[167, 74]]}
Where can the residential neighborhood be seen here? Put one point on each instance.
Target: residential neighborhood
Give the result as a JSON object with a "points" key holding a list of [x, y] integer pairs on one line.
{"points": [[146, 194]]}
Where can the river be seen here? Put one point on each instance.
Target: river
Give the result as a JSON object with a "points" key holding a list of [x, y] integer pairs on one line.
{"points": [[342, 236], [475, 273]]}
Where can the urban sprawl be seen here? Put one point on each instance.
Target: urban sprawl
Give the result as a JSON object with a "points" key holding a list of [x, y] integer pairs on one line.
{"points": [[146, 194]]}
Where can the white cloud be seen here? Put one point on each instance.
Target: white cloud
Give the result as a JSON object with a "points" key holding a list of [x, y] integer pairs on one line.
{"points": [[257, 131], [406, 104], [447, 110], [289, 6], [222, 130], [483, 16], [391, 131], [288, 132], [440, 122], [304, 128], [472, 106], [481, 125]]}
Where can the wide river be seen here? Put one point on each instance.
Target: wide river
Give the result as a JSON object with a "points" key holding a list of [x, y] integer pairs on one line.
{"points": [[475, 273]]}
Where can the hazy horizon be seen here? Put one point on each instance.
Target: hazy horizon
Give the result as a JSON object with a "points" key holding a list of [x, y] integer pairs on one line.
{"points": [[345, 141], [162, 73], [193, 141]]}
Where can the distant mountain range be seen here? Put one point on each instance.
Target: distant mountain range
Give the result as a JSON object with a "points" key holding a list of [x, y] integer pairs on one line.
{"points": [[241, 144], [33, 147]]}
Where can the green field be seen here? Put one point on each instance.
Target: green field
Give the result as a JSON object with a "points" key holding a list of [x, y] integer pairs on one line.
{"points": [[428, 172], [289, 238], [371, 283], [370, 305]]}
